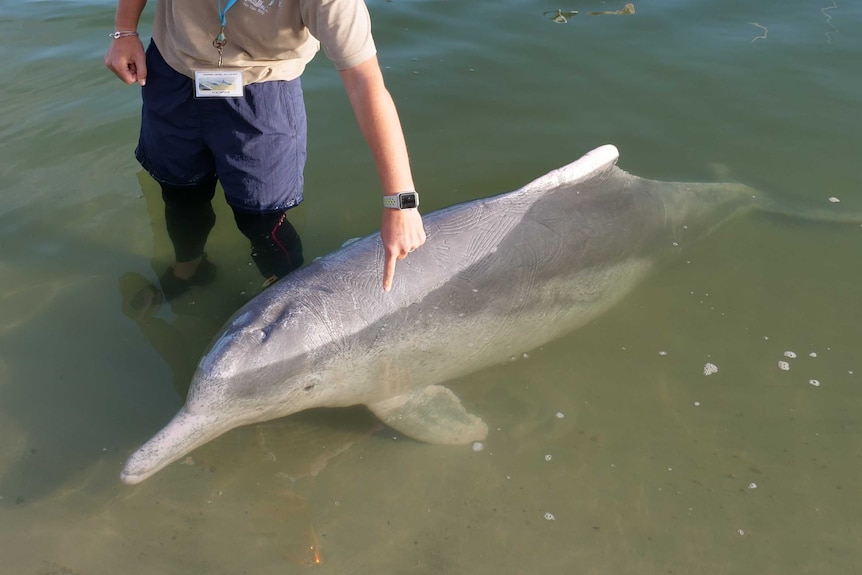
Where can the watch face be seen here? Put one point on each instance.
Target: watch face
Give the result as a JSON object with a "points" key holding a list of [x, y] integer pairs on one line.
{"points": [[408, 201]]}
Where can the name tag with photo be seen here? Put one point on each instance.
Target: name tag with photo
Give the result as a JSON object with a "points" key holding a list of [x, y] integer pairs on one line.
{"points": [[218, 84]]}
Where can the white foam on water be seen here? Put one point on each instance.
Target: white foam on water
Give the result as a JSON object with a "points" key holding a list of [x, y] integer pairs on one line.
{"points": [[710, 368]]}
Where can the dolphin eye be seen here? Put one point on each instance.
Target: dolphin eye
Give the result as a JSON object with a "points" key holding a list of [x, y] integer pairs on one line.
{"points": [[308, 387], [263, 333]]}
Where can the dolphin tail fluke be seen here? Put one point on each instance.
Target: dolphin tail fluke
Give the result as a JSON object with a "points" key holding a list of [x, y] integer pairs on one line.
{"points": [[184, 433], [803, 210], [433, 414]]}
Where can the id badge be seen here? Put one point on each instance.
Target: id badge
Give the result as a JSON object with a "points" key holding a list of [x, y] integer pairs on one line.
{"points": [[218, 84]]}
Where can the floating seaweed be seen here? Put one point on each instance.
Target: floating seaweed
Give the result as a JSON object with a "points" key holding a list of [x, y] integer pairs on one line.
{"points": [[562, 16], [762, 27], [626, 10]]}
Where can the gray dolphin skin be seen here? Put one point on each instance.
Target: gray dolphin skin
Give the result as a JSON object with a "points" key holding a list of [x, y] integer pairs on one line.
{"points": [[497, 277]]}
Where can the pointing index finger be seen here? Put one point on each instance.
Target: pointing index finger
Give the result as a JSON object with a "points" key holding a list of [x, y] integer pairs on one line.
{"points": [[389, 270]]}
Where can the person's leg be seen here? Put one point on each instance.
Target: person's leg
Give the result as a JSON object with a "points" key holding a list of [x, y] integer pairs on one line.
{"points": [[172, 151], [259, 147], [189, 217], [275, 244]]}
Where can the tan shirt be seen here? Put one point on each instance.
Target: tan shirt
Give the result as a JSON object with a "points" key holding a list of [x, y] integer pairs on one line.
{"points": [[267, 39]]}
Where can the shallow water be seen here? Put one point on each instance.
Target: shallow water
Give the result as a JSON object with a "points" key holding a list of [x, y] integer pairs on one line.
{"points": [[654, 467]]}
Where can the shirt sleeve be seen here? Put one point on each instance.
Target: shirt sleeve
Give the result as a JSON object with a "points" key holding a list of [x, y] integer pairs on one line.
{"points": [[343, 28]]}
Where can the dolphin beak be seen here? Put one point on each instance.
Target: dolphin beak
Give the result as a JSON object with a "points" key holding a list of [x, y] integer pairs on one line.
{"points": [[184, 433]]}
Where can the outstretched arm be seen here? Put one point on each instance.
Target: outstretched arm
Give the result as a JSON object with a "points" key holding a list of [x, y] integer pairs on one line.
{"points": [[401, 230], [125, 57]]}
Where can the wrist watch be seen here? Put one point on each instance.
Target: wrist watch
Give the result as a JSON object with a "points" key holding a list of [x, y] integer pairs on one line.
{"points": [[402, 201]]}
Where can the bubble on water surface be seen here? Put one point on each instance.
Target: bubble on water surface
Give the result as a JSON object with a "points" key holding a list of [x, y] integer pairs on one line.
{"points": [[549, 516], [834, 200], [478, 446], [710, 368], [560, 415], [548, 457], [783, 365], [790, 354], [814, 382]]}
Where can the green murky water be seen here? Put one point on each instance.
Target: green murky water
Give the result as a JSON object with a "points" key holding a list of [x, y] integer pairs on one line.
{"points": [[653, 466]]}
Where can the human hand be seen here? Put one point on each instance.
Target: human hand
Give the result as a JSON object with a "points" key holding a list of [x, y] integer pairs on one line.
{"points": [[402, 232], [126, 59]]}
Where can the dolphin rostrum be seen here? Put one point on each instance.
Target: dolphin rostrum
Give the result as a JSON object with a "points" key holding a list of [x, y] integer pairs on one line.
{"points": [[497, 277]]}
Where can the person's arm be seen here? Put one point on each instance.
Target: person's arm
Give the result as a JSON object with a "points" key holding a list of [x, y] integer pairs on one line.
{"points": [[401, 230], [125, 57]]}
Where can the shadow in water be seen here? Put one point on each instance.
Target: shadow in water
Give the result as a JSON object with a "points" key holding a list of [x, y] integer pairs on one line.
{"points": [[73, 384], [180, 339], [68, 422]]}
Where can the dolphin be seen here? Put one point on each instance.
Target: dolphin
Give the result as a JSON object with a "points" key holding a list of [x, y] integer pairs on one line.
{"points": [[497, 277]]}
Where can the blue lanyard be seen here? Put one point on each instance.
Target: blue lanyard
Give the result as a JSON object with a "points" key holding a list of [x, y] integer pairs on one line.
{"points": [[220, 41], [222, 12]]}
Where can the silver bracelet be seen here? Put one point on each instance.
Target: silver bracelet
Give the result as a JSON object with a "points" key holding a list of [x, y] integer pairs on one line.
{"points": [[122, 34]]}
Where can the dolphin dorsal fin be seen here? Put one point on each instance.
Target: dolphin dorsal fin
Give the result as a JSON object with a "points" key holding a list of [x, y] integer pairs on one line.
{"points": [[589, 165]]}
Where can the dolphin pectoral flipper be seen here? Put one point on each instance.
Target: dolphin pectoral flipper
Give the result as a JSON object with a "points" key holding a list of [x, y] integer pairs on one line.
{"points": [[432, 414]]}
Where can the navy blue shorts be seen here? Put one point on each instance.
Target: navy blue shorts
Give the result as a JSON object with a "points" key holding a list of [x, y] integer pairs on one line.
{"points": [[255, 145]]}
